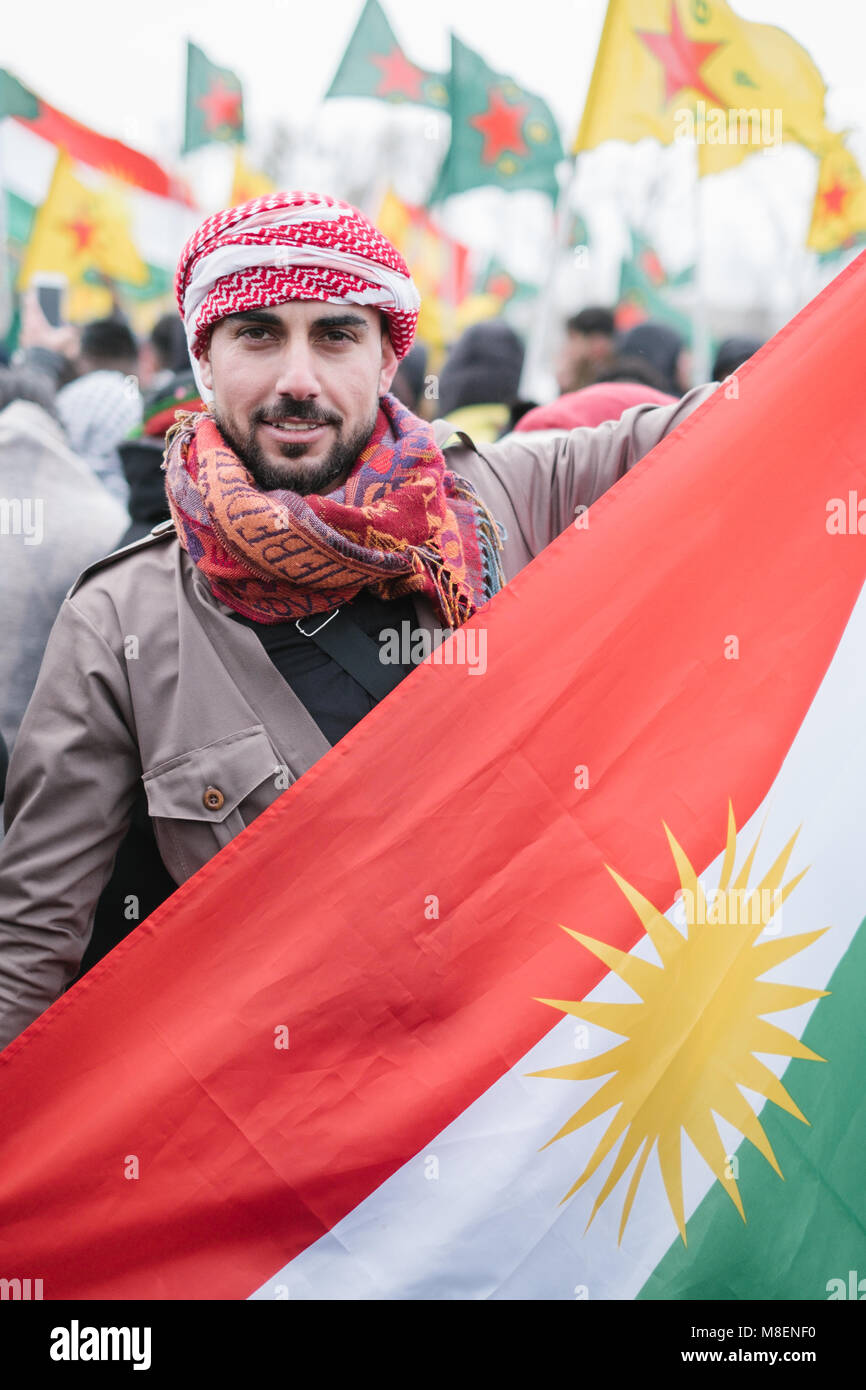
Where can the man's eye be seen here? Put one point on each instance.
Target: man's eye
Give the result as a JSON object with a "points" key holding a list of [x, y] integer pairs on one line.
{"points": [[255, 331], [338, 335]]}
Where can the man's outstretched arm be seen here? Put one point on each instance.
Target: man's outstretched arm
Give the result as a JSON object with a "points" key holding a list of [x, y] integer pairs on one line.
{"points": [[549, 477]]}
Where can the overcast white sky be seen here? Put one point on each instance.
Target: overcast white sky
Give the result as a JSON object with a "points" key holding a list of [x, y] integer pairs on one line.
{"points": [[120, 67]]}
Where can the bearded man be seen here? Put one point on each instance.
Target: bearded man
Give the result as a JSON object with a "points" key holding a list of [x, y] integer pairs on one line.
{"points": [[202, 670]]}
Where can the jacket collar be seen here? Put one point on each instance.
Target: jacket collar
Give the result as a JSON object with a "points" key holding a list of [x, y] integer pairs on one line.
{"points": [[444, 432]]}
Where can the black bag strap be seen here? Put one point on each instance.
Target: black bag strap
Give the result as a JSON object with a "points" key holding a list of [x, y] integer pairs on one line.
{"points": [[347, 643]]}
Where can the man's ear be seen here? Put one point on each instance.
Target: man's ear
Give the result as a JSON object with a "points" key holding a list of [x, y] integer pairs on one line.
{"points": [[204, 367], [389, 361]]}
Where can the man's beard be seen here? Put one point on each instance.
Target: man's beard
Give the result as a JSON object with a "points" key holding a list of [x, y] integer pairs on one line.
{"points": [[269, 477]]}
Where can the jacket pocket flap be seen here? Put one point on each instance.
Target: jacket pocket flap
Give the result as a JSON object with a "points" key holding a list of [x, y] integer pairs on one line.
{"points": [[209, 783]]}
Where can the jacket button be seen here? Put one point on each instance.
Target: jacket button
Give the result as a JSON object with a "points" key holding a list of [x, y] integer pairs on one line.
{"points": [[213, 799]]}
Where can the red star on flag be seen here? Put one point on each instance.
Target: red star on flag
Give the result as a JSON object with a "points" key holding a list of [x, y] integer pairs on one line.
{"points": [[399, 76], [628, 314], [834, 197], [221, 106], [652, 267], [681, 58], [502, 127], [83, 232], [501, 285]]}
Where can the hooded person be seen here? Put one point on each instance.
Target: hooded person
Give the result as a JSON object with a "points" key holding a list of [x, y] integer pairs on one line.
{"points": [[732, 353], [171, 388], [663, 348], [479, 382], [323, 540]]}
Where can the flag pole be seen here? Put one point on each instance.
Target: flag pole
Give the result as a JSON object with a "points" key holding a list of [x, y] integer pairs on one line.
{"points": [[6, 296], [701, 363], [539, 334]]}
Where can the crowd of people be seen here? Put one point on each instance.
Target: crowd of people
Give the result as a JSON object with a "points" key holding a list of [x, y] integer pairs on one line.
{"points": [[84, 415]]}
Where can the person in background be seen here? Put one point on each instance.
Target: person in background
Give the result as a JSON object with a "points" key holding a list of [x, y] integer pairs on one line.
{"points": [[732, 353], [103, 404], [479, 382], [408, 384], [590, 407], [639, 371], [162, 355], [587, 348], [664, 349], [58, 519], [171, 389]]}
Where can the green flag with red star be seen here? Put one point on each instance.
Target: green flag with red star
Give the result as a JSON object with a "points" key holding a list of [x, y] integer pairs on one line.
{"points": [[214, 103], [498, 281], [642, 285], [500, 133], [374, 65]]}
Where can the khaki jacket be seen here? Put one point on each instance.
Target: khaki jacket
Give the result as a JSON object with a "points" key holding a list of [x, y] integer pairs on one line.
{"points": [[147, 679]]}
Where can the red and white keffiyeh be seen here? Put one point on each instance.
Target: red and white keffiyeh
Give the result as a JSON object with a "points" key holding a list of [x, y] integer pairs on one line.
{"points": [[291, 246]]}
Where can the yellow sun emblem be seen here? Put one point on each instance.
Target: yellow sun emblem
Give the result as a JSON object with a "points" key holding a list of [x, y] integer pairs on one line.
{"points": [[690, 1042]]}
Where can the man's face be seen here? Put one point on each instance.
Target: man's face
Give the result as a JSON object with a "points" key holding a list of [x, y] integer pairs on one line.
{"points": [[580, 357], [296, 389]]}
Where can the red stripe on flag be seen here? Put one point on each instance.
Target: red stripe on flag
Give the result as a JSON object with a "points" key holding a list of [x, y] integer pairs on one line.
{"points": [[609, 651], [102, 152]]}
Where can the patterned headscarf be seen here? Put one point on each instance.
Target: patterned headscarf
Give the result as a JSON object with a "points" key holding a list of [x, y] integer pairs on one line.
{"points": [[291, 246]]}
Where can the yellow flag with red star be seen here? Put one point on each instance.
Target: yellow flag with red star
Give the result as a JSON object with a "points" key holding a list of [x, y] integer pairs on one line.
{"points": [[80, 229], [839, 210], [694, 70]]}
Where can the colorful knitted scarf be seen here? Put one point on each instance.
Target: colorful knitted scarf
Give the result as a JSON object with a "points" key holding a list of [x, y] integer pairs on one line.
{"points": [[402, 523]]}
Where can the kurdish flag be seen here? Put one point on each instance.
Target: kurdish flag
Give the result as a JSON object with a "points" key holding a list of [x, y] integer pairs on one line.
{"points": [[84, 144], [565, 999], [47, 156]]}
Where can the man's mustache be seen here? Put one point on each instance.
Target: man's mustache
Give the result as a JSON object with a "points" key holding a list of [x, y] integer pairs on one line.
{"points": [[287, 409]]}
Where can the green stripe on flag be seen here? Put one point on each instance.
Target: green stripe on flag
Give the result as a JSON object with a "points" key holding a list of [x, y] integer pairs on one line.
{"points": [[810, 1229]]}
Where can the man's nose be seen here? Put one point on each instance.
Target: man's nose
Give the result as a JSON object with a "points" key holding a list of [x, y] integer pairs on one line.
{"points": [[298, 376]]}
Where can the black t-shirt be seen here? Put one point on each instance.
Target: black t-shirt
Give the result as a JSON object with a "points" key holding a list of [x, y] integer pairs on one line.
{"points": [[334, 698]]}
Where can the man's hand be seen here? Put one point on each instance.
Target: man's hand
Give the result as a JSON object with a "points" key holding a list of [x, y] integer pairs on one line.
{"points": [[36, 331]]}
